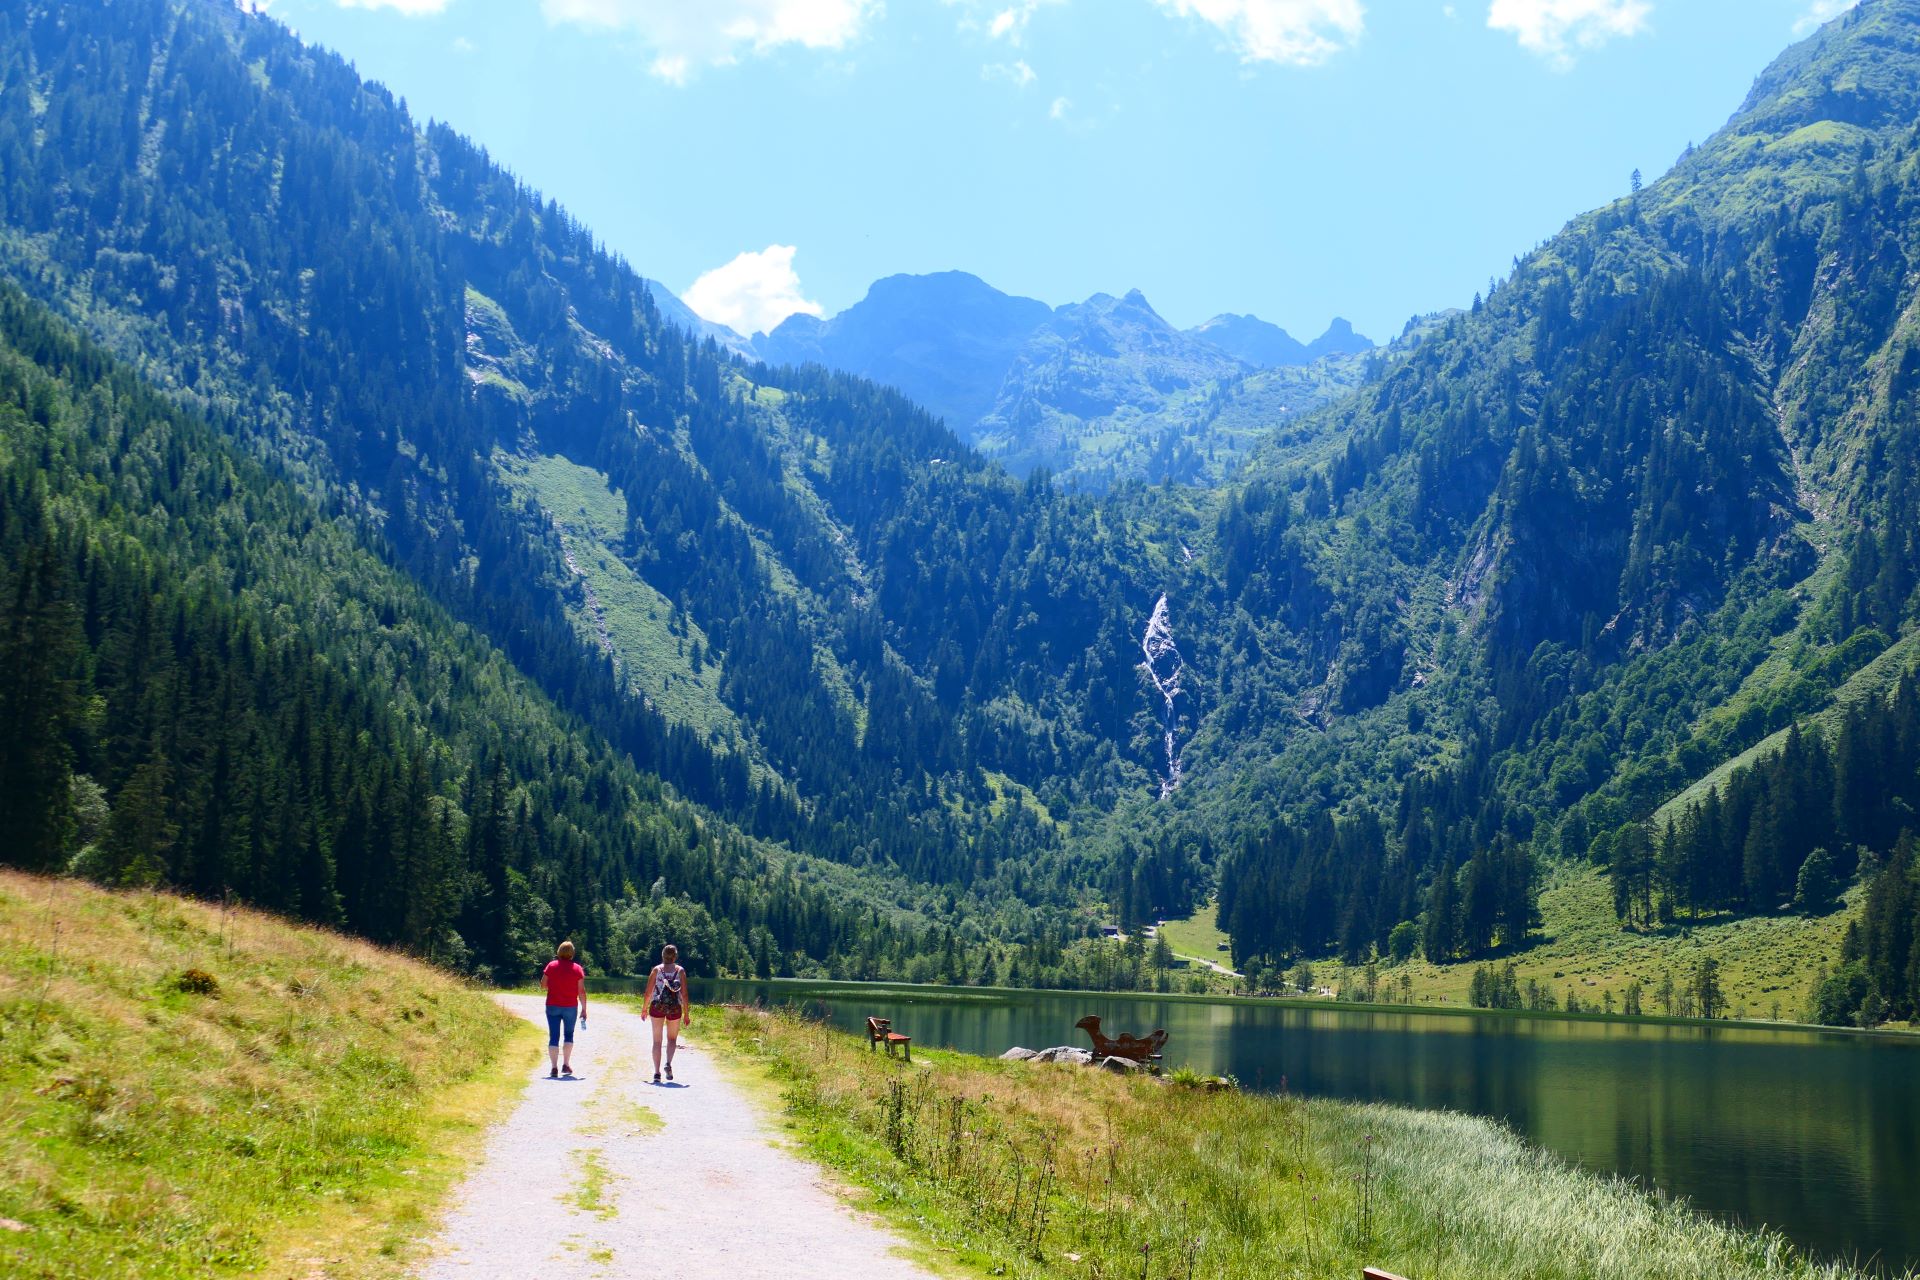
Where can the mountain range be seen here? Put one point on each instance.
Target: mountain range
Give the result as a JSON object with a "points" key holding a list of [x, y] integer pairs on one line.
{"points": [[1093, 392], [380, 548]]}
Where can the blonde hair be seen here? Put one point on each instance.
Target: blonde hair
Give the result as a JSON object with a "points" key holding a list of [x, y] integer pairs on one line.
{"points": [[564, 951]]}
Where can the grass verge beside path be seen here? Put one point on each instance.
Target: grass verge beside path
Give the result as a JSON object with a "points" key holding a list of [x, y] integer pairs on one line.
{"points": [[1047, 1171], [187, 1092]]}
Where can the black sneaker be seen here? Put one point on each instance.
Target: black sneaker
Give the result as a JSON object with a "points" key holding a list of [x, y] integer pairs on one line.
{"points": [[566, 1071], [553, 1073], [656, 1077], [669, 1071]]}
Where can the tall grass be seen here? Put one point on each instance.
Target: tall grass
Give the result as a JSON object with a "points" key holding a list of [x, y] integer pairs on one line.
{"points": [[191, 1091], [1022, 1170]]}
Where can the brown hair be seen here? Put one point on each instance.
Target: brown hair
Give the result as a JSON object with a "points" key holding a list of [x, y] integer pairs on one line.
{"points": [[564, 951], [669, 952]]}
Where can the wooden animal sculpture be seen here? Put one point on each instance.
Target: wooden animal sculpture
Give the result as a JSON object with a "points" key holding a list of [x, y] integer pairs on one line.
{"points": [[1138, 1048]]}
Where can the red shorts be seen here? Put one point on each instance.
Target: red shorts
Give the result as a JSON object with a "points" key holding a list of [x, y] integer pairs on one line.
{"points": [[664, 1012]]}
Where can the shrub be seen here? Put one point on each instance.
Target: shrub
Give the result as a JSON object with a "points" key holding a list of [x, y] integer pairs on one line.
{"points": [[196, 982]]}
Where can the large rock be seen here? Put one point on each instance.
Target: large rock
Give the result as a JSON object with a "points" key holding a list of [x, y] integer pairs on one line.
{"points": [[1064, 1053], [1122, 1065], [1017, 1054]]}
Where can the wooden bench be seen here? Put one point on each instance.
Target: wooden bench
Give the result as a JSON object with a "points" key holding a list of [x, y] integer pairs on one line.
{"points": [[1375, 1273], [880, 1031]]}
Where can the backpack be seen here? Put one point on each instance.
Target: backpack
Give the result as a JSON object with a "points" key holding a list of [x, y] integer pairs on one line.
{"points": [[664, 1001]]}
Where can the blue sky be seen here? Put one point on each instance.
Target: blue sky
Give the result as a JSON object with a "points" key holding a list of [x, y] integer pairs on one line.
{"points": [[1292, 158]]}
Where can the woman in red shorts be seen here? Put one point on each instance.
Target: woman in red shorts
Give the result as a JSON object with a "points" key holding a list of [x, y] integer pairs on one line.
{"points": [[667, 1003]]}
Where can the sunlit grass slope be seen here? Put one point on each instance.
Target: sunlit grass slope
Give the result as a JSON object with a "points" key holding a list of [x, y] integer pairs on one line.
{"points": [[1764, 960], [187, 1092], [1033, 1170], [1198, 936], [638, 620]]}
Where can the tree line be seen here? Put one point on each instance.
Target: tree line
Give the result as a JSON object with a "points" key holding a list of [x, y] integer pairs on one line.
{"points": [[1449, 877]]}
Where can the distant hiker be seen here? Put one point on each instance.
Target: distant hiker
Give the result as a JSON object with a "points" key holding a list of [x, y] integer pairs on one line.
{"points": [[667, 1005], [566, 986]]}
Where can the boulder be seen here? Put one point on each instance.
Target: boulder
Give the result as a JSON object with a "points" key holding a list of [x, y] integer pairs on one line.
{"points": [[1122, 1065], [1017, 1054], [1065, 1053]]}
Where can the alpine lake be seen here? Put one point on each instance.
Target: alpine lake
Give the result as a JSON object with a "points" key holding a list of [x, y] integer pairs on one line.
{"points": [[1814, 1133]]}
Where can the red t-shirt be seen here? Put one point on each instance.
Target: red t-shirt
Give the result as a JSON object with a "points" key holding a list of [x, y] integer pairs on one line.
{"points": [[563, 983]]}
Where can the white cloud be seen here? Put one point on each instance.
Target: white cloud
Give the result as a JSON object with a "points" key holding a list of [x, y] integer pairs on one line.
{"points": [[1059, 109], [1010, 23], [1017, 72], [1554, 29], [411, 8], [674, 68], [999, 19], [1821, 12], [753, 293], [1301, 33], [685, 35]]}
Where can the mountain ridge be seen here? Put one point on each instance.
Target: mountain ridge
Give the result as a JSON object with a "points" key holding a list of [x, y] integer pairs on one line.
{"points": [[1607, 480], [1031, 384]]}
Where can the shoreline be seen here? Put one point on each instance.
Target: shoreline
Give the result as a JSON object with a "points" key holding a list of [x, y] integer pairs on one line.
{"points": [[1897, 1034]]}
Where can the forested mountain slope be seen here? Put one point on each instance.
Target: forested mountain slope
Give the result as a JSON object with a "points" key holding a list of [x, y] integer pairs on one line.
{"points": [[212, 682], [789, 594], [208, 682], [1648, 502]]}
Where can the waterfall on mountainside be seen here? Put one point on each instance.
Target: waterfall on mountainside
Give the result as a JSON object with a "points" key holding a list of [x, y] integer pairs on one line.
{"points": [[1164, 667]]}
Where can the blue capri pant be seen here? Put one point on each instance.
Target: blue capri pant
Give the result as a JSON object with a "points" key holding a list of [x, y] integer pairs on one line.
{"points": [[559, 1019]]}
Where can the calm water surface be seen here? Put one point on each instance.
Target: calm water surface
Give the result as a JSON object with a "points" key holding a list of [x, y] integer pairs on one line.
{"points": [[1815, 1133]]}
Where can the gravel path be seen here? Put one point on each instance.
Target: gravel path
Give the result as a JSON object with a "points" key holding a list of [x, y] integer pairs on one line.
{"points": [[611, 1175]]}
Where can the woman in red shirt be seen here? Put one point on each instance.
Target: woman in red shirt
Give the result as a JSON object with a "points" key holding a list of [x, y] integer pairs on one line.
{"points": [[566, 986]]}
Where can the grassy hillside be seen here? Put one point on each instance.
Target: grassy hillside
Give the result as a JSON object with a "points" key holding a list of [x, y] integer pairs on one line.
{"points": [[856, 579], [191, 1092], [615, 609], [1874, 680], [1767, 963], [1764, 960], [1198, 937], [1138, 1178]]}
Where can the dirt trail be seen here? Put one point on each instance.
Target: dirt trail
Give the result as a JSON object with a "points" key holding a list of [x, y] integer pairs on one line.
{"points": [[611, 1175]]}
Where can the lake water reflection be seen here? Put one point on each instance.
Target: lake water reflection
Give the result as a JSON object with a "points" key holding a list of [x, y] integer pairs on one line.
{"points": [[1815, 1133]]}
